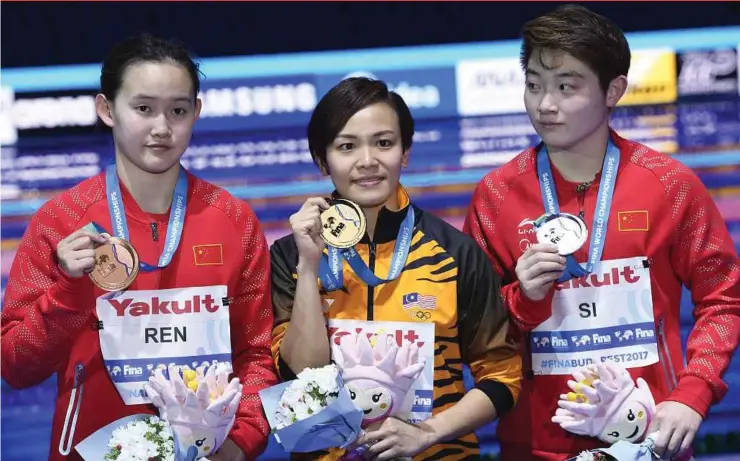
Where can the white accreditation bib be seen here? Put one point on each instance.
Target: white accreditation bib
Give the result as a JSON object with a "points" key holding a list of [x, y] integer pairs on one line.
{"points": [[142, 330], [606, 315]]}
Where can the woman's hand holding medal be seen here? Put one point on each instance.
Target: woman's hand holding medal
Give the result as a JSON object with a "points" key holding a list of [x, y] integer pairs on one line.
{"points": [[111, 262], [307, 228], [76, 252], [537, 269], [558, 237]]}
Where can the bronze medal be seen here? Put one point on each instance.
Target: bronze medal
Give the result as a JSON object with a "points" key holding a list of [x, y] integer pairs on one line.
{"points": [[343, 224], [116, 265]]}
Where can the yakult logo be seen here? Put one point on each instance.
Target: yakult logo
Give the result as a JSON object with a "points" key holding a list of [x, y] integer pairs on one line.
{"points": [[616, 276], [157, 306], [410, 336]]}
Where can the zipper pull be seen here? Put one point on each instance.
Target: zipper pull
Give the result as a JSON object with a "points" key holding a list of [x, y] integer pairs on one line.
{"points": [[155, 233], [79, 374], [581, 214]]}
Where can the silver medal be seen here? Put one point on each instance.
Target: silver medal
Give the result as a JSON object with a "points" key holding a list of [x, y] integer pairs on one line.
{"points": [[566, 231]]}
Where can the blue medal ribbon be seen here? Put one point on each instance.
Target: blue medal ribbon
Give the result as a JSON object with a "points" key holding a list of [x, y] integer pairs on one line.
{"points": [[176, 219], [601, 216], [331, 268]]}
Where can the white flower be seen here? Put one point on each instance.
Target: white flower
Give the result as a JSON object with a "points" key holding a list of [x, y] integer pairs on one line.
{"points": [[324, 379], [585, 456], [311, 391], [130, 443], [166, 432]]}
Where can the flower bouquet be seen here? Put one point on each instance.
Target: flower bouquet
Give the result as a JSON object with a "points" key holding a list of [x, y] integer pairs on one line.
{"points": [[312, 412], [138, 437], [623, 451], [197, 409], [146, 439]]}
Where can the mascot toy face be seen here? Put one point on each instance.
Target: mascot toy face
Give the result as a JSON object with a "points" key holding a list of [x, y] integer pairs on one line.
{"points": [[378, 376], [375, 401], [630, 423]]}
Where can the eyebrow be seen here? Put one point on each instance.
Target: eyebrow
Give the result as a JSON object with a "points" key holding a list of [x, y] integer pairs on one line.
{"points": [[375, 135], [148, 97], [567, 74]]}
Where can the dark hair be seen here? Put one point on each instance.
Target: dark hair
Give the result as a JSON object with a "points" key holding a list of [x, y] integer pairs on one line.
{"points": [[144, 48], [344, 100], [589, 37]]}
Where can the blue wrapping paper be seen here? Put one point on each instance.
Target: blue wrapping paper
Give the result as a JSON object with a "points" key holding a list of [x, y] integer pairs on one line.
{"points": [[627, 451], [336, 426]]}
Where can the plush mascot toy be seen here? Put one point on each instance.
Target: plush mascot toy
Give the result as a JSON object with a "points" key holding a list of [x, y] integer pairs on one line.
{"points": [[378, 375], [606, 403], [200, 406]]}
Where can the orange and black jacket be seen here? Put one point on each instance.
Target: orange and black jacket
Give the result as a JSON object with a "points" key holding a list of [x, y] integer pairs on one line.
{"points": [[471, 323]]}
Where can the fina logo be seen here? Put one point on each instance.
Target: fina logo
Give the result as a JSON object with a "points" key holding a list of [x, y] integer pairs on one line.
{"points": [[417, 97]]}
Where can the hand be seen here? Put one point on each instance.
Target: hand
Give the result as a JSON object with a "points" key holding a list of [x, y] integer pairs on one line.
{"points": [[395, 438], [306, 225], [677, 425], [76, 253], [537, 269]]}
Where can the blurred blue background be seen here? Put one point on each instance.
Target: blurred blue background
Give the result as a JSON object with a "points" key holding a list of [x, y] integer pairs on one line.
{"points": [[266, 65]]}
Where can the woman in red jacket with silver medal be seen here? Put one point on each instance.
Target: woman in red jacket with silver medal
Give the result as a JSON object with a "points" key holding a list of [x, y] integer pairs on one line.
{"points": [[598, 278]]}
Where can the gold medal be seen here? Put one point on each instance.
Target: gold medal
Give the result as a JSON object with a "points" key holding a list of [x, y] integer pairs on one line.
{"points": [[343, 224], [116, 265]]}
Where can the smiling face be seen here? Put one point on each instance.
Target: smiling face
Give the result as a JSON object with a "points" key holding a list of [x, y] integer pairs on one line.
{"points": [[366, 158], [375, 402], [630, 426]]}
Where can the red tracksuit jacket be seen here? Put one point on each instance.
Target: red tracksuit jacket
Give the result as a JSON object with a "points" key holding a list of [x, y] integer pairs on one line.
{"points": [[49, 320], [660, 210]]}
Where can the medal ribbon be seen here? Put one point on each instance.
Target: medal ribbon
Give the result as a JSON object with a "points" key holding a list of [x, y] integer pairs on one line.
{"points": [[331, 267], [176, 219], [601, 215]]}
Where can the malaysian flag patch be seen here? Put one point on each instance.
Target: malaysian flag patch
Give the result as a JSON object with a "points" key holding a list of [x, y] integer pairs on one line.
{"points": [[419, 301]]}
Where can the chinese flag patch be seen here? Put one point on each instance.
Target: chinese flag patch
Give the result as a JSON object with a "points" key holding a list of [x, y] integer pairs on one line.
{"points": [[633, 221], [208, 255]]}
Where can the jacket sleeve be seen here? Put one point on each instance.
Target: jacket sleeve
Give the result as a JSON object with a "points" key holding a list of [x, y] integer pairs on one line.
{"points": [[251, 322], [44, 310], [485, 343], [283, 284], [705, 259], [480, 223]]}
